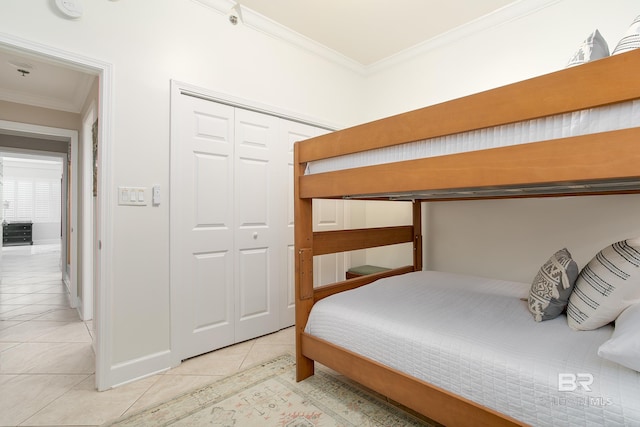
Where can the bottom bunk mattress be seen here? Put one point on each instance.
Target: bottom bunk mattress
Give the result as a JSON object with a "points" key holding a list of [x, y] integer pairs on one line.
{"points": [[475, 337]]}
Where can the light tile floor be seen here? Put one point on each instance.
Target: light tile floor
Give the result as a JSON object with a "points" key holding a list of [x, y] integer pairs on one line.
{"points": [[47, 360]]}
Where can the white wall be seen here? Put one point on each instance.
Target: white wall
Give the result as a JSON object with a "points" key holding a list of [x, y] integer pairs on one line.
{"points": [[538, 43], [385, 214], [150, 43], [511, 239]]}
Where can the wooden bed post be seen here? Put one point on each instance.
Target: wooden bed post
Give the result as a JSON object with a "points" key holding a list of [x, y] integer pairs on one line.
{"points": [[303, 241], [417, 235]]}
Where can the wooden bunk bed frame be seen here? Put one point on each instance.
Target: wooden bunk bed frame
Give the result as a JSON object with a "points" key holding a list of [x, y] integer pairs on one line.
{"points": [[558, 167]]}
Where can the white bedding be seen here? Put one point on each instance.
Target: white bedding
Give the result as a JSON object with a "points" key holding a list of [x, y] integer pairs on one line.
{"points": [[476, 338], [612, 117]]}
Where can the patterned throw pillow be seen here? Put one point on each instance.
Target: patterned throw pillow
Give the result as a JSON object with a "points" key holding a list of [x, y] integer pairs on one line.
{"points": [[631, 39], [594, 47], [552, 286], [606, 286]]}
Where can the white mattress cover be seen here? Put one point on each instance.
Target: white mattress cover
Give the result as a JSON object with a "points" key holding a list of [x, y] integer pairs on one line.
{"points": [[476, 338], [611, 117]]}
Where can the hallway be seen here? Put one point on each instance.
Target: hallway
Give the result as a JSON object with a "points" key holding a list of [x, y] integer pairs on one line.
{"points": [[44, 348], [47, 361]]}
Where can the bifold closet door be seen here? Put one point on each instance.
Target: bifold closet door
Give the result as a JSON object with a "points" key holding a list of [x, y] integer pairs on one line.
{"points": [[202, 226], [260, 200], [290, 133], [232, 260], [328, 215]]}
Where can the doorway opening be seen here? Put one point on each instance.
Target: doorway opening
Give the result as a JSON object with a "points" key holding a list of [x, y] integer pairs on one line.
{"points": [[99, 252], [32, 190]]}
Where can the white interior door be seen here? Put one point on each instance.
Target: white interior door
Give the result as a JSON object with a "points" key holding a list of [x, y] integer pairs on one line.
{"points": [[203, 231], [290, 132], [231, 206], [328, 215], [260, 194]]}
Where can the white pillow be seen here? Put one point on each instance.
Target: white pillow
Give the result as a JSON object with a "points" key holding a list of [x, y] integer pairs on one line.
{"points": [[631, 39], [606, 286], [592, 48], [624, 345]]}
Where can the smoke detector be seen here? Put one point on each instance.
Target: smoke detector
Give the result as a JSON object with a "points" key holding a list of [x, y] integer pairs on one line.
{"points": [[70, 8]]}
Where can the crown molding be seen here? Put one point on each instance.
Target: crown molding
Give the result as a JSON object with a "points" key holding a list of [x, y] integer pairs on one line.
{"points": [[499, 17], [258, 22], [72, 105], [278, 31], [37, 101]]}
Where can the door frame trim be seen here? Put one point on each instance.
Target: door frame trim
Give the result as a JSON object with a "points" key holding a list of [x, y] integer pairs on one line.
{"points": [[104, 300], [88, 244]]}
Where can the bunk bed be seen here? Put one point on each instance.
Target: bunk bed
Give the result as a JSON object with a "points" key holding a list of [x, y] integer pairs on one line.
{"points": [[594, 160]]}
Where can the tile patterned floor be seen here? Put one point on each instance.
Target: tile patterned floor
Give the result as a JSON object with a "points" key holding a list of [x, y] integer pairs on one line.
{"points": [[47, 360]]}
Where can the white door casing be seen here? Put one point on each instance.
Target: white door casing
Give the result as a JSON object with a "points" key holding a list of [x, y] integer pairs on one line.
{"points": [[88, 245]]}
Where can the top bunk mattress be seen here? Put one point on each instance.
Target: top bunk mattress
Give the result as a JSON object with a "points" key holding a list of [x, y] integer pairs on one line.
{"points": [[623, 115], [476, 338]]}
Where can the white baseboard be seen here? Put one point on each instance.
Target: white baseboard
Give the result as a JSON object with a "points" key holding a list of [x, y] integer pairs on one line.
{"points": [[67, 284], [137, 369], [46, 241]]}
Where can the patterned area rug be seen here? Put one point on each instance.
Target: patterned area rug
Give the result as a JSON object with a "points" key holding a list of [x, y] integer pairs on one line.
{"points": [[268, 395]]}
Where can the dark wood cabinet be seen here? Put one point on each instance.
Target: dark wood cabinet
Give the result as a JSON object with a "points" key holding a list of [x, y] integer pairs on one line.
{"points": [[17, 233]]}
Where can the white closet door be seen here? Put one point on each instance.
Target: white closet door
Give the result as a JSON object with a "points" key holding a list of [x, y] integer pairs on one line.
{"points": [[260, 198], [202, 233], [328, 215], [290, 132]]}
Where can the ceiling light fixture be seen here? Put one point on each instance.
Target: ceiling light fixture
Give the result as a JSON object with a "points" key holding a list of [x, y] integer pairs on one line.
{"points": [[22, 67]]}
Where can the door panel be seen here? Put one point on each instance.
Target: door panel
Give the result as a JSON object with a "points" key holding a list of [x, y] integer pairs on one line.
{"points": [[202, 245], [328, 215], [290, 133], [254, 300], [259, 188], [211, 272], [212, 177]]}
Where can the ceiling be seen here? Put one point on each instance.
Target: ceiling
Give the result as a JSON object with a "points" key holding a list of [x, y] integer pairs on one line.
{"points": [[41, 83], [362, 31], [369, 31]]}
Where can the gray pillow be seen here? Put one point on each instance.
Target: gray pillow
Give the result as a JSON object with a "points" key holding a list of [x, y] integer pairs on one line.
{"points": [[552, 286], [592, 48]]}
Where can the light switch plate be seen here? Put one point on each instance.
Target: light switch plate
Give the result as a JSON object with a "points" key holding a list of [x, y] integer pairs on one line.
{"points": [[132, 196], [155, 195]]}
